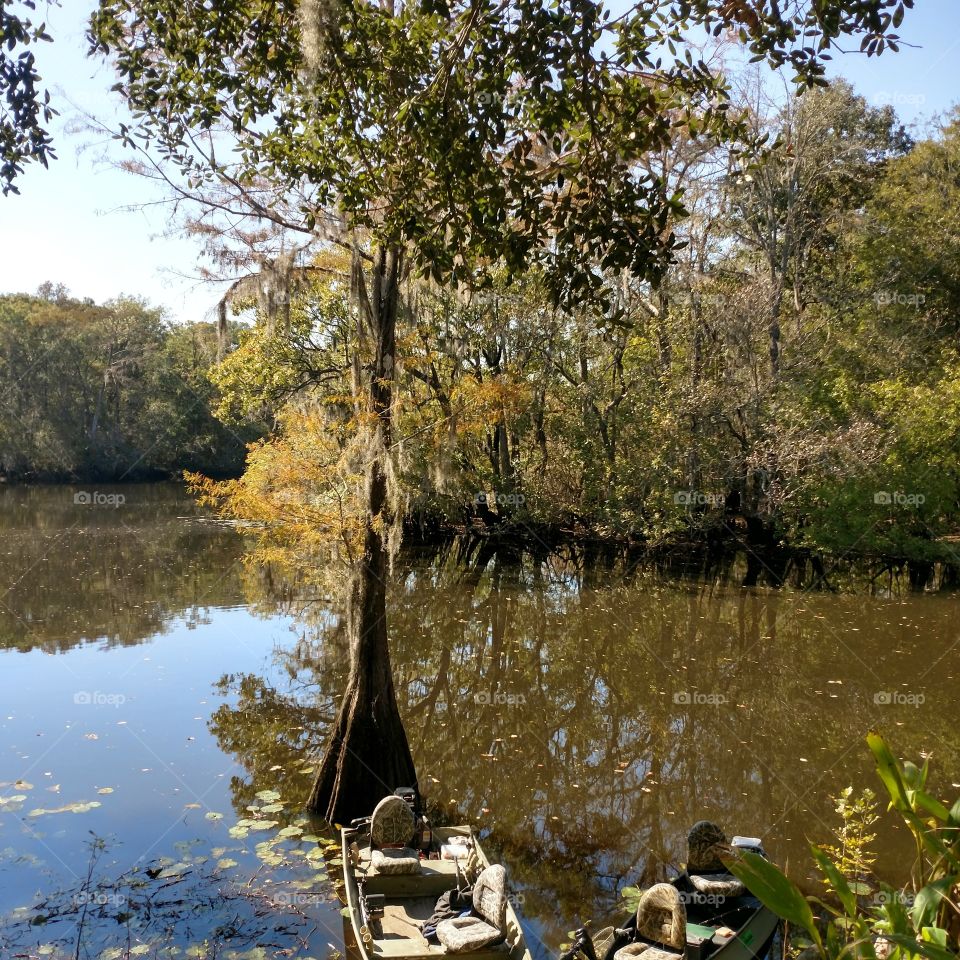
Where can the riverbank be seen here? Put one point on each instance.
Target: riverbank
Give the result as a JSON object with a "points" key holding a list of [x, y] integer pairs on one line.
{"points": [[718, 545]]}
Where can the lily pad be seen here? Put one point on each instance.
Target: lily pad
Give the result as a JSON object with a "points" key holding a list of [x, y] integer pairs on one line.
{"points": [[212, 815], [268, 795], [226, 863]]}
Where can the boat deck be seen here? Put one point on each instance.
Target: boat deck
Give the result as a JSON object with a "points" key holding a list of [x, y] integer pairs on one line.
{"points": [[412, 898], [435, 876]]}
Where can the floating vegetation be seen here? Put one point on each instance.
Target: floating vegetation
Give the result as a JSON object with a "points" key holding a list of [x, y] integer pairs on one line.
{"points": [[226, 901], [66, 808]]}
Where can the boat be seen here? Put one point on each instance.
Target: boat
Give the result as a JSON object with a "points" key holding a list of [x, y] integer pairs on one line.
{"points": [[395, 873], [703, 914]]}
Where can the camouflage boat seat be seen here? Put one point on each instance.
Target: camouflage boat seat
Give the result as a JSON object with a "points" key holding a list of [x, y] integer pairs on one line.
{"points": [[661, 918], [706, 845], [391, 829], [488, 923]]}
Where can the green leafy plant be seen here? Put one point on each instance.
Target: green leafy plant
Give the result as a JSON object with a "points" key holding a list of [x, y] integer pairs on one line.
{"points": [[851, 853], [920, 920]]}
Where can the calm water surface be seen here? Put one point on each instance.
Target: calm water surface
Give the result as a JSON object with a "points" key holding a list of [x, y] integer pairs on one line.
{"points": [[153, 685]]}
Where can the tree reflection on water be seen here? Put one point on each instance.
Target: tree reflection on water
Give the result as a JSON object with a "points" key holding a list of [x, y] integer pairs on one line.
{"points": [[585, 715]]}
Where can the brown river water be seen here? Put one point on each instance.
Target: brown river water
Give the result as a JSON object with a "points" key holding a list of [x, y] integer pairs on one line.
{"points": [[155, 687]]}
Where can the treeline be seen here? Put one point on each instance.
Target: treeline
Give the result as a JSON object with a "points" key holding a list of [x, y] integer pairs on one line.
{"points": [[793, 381], [108, 392]]}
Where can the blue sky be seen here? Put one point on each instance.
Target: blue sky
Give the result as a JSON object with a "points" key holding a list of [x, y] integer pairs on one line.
{"points": [[71, 224]]}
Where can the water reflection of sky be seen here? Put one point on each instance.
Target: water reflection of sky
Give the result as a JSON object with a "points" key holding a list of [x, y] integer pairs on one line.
{"points": [[581, 720]]}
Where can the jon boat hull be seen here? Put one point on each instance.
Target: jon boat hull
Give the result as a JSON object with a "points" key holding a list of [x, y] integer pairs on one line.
{"points": [[410, 898]]}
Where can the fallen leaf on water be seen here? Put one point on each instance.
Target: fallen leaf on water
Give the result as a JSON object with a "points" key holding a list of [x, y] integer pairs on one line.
{"points": [[105, 790], [22, 785], [191, 806]]}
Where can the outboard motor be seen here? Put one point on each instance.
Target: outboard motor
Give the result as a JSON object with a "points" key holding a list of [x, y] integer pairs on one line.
{"points": [[749, 844], [423, 839]]}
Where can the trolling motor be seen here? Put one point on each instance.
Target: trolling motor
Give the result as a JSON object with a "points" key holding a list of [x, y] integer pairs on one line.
{"points": [[423, 839], [582, 943]]}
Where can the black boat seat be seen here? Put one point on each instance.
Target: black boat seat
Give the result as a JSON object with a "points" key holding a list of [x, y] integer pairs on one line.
{"points": [[465, 934], [717, 884], [392, 827]]}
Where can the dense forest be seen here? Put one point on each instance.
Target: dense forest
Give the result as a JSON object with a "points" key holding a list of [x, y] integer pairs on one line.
{"points": [[793, 380], [107, 392]]}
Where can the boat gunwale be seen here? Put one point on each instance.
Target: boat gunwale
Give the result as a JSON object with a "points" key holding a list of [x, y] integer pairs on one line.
{"points": [[517, 951]]}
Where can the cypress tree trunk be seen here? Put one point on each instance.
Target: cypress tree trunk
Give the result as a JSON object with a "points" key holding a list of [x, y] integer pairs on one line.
{"points": [[368, 755]]}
